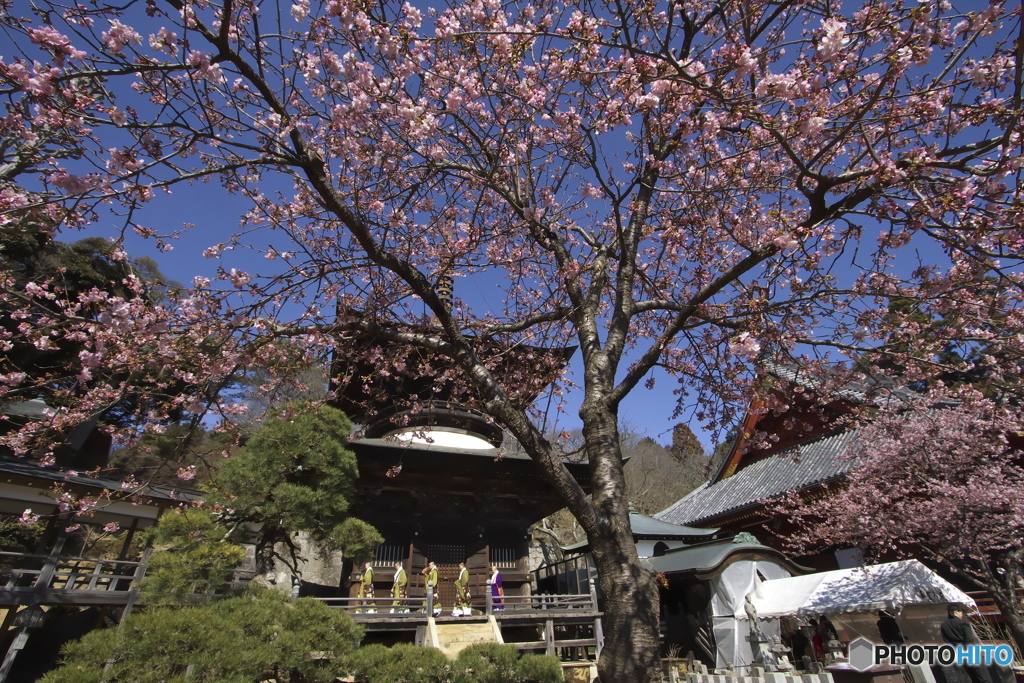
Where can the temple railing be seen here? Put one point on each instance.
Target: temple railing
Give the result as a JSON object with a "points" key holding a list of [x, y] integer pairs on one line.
{"points": [[27, 578], [518, 604], [987, 606], [508, 605], [357, 607]]}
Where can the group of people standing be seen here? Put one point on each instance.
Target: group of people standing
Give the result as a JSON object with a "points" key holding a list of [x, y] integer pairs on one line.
{"points": [[812, 639], [400, 589]]}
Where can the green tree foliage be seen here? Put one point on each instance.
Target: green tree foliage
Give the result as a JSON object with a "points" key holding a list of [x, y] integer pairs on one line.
{"points": [[494, 663], [685, 445], [402, 663], [49, 361], [657, 476], [18, 537], [247, 639], [181, 450], [193, 557], [29, 254], [298, 474], [481, 663], [975, 360]]}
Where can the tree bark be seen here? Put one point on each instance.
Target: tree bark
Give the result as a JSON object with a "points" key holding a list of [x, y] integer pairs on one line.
{"points": [[632, 651]]}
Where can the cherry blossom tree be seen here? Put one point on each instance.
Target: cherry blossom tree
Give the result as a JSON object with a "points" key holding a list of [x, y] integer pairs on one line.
{"points": [[940, 482], [671, 187]]}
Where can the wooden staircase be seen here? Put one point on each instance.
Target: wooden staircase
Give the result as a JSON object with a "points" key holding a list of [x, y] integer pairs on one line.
{"points": [[453, 637]]}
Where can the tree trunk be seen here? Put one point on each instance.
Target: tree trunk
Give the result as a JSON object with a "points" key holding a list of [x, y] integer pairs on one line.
{"points": [[630, 597], [632, 650]]}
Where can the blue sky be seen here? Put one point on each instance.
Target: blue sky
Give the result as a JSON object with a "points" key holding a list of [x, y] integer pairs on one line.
{"points": [[207, 216]]}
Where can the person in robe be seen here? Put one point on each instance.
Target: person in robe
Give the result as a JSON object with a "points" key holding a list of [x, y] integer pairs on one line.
{"points": [[496, 588], [799, 643], [366, 588], [889, 629], [430, 571], [399, 589], [462, 593], [817, 644]]}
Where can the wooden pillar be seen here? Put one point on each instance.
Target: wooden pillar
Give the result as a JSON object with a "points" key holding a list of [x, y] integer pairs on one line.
{"points": [[133, 592], [50, 565], [598, 630], [47, 535], [129, 537]]}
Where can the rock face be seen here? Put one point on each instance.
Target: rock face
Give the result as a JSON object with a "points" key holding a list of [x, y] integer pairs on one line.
{"points": [[543, 551], [316, 570]]}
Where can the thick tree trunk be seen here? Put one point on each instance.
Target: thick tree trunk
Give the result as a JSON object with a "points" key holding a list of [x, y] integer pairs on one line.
{"points": [[630, 597], [632, 650]]}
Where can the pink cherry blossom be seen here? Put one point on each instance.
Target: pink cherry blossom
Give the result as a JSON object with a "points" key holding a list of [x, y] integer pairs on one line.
{"points": [[673, 194], [28, 517]]}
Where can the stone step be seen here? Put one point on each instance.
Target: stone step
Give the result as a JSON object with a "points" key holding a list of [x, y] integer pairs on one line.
{"points": [[464, 632], [453, 649]]}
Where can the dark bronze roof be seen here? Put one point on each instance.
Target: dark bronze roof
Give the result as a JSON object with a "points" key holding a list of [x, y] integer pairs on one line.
{"points": [[370, 390]]}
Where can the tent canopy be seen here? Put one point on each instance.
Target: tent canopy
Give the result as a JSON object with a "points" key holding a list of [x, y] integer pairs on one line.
{"points": [[860, 589]]}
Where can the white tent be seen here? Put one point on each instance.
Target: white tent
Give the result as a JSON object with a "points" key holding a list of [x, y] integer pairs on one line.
{"points": [[860, 589], [728, 593]]}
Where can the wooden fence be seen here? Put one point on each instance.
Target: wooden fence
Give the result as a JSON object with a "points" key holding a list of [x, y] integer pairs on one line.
{"points": [[61, 579]]}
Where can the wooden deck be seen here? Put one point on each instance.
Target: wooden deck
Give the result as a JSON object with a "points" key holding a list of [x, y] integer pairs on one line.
{"points": [[55, 579]]}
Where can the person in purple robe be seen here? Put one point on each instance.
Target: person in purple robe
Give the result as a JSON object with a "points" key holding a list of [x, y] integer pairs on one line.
{"points": [[497, 591]]}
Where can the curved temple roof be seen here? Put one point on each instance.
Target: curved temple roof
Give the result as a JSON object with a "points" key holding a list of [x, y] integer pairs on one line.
{"points": [[813, 462]]}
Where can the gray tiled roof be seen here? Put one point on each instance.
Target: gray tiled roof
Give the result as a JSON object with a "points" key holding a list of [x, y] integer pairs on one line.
{"points": [[643, 526], [701, 557], [856, 387], [816, 461], [33, 408], [28, 468]]}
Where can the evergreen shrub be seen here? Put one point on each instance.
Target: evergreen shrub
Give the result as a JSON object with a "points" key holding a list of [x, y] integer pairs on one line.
{"points": [[481, 663], [259, 636]]}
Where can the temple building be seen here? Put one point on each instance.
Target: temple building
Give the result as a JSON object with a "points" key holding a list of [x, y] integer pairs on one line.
{"points": [[810, 450]]}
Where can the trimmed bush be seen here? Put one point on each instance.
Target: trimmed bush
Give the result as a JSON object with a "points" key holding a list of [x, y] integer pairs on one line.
{"points": [[482, 663], [401, 663], [254, 637], [494, 663]]}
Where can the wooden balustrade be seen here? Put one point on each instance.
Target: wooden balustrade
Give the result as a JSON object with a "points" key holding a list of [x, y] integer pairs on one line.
{"points": [[987, 606], [509, 605], [54, 578], [64, 572], [380, 606]]}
